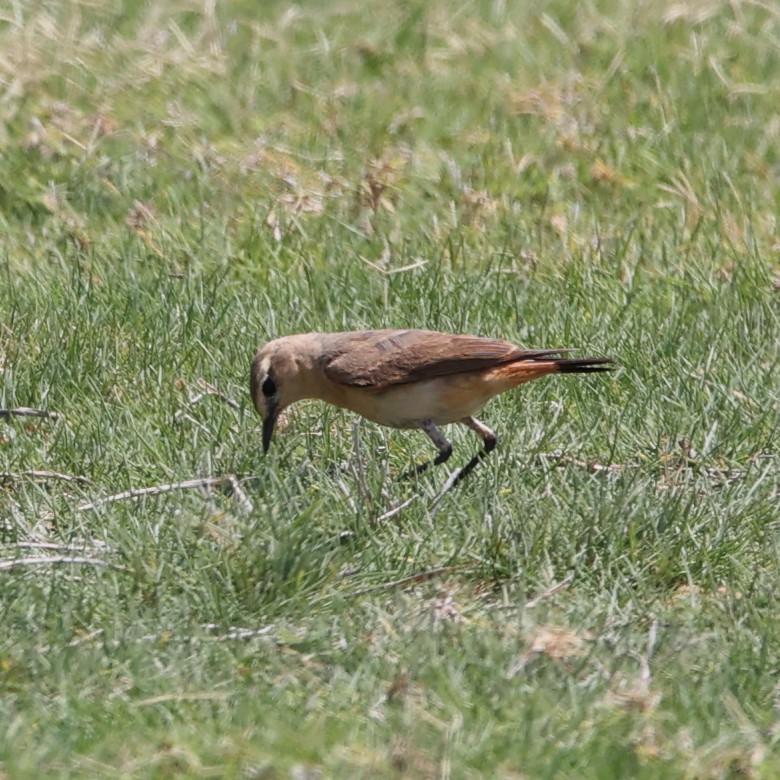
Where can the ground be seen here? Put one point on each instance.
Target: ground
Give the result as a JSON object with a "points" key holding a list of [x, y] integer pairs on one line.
{"points": [[180, 181]]}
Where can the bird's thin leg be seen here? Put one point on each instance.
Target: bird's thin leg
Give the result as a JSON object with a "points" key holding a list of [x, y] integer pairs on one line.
{"points": [[442, 444], [488, 437], [490, 440]]}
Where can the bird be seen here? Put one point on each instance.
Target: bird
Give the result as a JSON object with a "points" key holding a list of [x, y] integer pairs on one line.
{"points": [[416, 379]]}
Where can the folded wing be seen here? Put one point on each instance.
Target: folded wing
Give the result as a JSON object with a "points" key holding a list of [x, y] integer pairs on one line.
{"points": [[380, 358]]}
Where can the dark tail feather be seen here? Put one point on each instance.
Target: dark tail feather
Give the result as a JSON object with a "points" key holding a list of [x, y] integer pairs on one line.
{"points": [[584, 365]]}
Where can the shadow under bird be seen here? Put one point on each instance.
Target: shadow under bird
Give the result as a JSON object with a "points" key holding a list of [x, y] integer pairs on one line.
{"points": [[402, 378]]}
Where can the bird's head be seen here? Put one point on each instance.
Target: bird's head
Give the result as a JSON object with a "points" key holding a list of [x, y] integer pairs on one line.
{"points": [[279, 377]]}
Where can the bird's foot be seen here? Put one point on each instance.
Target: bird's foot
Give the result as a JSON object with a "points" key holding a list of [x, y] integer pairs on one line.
{"points": [[415, 471]]}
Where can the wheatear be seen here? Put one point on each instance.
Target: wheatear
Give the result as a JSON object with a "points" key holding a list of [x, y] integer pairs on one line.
{"points": [[401, 378]]}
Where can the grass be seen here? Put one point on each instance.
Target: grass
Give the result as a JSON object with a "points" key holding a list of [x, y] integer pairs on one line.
{"points": [[179, 182]]}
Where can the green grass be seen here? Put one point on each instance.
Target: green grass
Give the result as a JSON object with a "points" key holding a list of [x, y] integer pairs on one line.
{"points": [[178, 185]]}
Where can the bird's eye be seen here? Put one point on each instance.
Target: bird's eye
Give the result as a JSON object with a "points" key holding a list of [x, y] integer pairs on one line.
{"points": [[269, 387]]}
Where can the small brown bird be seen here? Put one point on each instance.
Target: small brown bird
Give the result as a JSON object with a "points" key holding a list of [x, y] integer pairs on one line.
{"points": [[401, 378]]}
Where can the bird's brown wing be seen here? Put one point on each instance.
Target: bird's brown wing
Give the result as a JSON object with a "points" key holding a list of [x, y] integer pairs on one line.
{"points": [[380, 358]]}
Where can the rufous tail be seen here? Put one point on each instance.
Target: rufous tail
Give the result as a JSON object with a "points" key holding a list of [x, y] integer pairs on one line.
{"points": [[533, 367], [583, 365]]}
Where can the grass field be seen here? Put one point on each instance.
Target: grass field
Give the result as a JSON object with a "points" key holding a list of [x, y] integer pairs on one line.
{"points": [[180, 181]]}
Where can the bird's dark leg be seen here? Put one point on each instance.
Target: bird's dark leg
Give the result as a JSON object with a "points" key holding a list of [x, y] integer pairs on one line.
{"points": [[442, 444], [488, 437]]}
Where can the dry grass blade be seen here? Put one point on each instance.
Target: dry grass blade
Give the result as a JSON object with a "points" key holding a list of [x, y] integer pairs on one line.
{"points": [[9, 477], [96, 547], [395, 510], [422, 576], [207, 390], [196, 696], [52, 560], [26, 411], [188, 484], [237, 633], [211, 390], [593, 466], [551, 591]]}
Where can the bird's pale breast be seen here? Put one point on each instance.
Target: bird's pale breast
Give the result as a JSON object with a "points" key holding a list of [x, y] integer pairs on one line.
{"points": [[442, 400]]}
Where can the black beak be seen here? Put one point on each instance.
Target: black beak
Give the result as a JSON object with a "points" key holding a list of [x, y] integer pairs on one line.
{"points": [[272, 413]]}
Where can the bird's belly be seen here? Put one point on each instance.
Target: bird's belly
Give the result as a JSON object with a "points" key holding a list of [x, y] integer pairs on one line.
{"points": [[441, 400]]}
